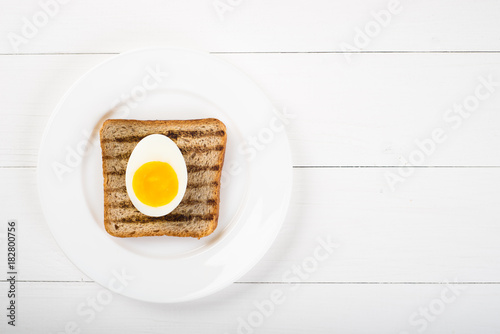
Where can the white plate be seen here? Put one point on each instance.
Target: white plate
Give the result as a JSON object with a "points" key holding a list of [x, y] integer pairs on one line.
{"points": [[256, 183]]}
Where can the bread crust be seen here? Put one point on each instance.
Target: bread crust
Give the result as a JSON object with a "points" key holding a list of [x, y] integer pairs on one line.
{"points": [[117, 136]]}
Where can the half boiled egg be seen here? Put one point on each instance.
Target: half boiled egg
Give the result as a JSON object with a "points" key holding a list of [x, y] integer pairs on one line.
{"points": [[156, 176]]}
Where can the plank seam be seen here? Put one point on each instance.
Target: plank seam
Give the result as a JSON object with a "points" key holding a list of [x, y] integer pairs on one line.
{"points": [[300, 283], [273, 52]]}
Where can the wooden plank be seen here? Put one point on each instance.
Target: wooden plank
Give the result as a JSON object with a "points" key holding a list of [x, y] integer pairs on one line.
{"points": [[262, 26], [440, 224], [370, 113], [254, 308], [32, 87], [37, 251]]}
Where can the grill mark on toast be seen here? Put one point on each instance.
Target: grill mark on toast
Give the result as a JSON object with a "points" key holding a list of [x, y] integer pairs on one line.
{"points": [[205, 193], [128, 204], [184, 150], [171, 134], [111, 147], [167, 218], [201, 149], [195, 168], [190, 185], [190, 168], [196, 201], [119, 172], [202, 184]]}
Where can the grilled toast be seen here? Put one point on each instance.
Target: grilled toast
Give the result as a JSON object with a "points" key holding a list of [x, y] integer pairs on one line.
{"points": [[202, 143]]}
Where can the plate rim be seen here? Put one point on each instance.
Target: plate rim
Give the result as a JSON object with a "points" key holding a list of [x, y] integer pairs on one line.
{"points": [[286, 193]]}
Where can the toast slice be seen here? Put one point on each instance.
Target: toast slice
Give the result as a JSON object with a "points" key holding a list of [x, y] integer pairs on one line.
{"points": [[202, 143]]}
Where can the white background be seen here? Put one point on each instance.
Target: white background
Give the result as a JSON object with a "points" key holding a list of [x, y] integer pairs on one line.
{"points": [[359, 116]]}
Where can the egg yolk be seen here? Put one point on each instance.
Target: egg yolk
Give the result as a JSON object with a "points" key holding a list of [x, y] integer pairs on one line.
{"points": [[155, 183]]}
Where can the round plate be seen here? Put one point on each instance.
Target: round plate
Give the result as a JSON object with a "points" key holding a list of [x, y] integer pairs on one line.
{"points": [[166, 83]]}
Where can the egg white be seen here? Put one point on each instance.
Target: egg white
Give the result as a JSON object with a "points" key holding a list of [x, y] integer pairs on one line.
{"points": [[156, 148]]}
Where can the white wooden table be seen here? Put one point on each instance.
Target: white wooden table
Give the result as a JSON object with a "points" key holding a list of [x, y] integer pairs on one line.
{"points": [[375, 85]]}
